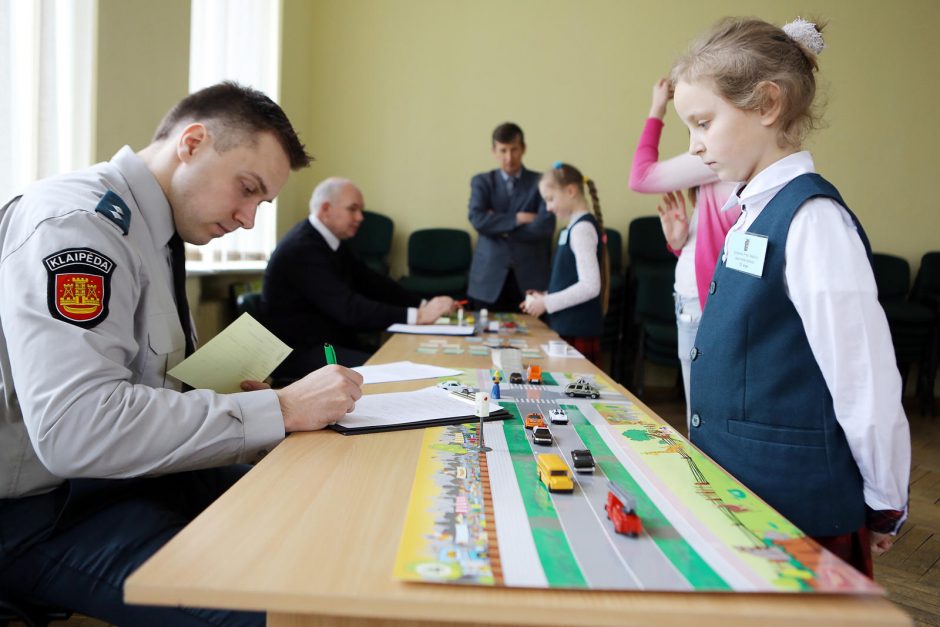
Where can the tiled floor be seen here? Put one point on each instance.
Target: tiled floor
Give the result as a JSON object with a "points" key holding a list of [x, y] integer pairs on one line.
{"points": [[911, 570]]}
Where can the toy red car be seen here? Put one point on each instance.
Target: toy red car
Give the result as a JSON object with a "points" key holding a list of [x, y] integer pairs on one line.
{"points": [[621, 510]]}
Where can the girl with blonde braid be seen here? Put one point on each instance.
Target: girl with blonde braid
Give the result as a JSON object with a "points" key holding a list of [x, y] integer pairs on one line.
{"points": [[579, 287]]}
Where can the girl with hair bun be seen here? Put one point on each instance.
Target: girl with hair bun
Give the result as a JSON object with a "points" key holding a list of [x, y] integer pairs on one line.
{"points": [[578, 289], [794, 385]]}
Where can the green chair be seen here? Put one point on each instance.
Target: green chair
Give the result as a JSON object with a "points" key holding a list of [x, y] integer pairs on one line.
{"points": [[926, 292], [438, 262], [373, 241], [612, 338], [246, 298], [911, 323], [648, 296]]}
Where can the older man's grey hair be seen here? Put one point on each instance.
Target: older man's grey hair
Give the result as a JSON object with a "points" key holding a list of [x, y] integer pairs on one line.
{"points": [[326, 191]]}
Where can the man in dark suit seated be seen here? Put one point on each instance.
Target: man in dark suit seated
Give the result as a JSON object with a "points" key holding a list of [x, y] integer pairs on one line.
{"points": [[513, 251], [317, 290]]}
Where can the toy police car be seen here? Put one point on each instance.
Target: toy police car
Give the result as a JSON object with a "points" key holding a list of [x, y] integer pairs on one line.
{"points": [[542, 435]]}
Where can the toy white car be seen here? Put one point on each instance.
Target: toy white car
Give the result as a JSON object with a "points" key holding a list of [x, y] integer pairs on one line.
{"points": [[454, 386], [558, 416], [542, 435]]}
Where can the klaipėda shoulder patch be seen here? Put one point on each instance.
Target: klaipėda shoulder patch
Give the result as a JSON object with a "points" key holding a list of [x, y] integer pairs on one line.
{"points": [[79, 286]]}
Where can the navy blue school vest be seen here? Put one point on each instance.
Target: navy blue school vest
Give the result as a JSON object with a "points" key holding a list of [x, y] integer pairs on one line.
{"points": [[760, 406], [586, 319]]}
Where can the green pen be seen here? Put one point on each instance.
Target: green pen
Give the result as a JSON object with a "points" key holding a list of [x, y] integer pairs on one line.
{"points": [[330, 353]]}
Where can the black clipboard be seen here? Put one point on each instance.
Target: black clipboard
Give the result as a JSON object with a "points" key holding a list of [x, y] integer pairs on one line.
{"points": [[501, 414]]}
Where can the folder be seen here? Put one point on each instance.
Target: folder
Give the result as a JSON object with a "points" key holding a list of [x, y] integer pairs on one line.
{"points": [[427, 407]]}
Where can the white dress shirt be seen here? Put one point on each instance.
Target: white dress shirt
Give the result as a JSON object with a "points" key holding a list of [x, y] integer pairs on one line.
{"points": [[829, 279]]}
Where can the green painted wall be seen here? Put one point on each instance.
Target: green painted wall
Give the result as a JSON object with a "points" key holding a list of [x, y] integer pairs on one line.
{"points": [[142, 69], [401, 96]]}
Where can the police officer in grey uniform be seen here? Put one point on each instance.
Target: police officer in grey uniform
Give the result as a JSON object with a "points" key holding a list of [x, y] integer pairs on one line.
{"points": [[103, 457]]}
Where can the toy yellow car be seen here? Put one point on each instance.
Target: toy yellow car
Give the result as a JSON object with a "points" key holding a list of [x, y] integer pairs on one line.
{"points": [[554, 473]]}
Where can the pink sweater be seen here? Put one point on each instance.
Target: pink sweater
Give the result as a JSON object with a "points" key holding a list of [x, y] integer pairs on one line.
{"points": [[651, 176]]}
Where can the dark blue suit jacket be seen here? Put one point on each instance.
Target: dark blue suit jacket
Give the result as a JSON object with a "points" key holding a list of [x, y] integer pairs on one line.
{"points": [[313, 295], [502, 244]]}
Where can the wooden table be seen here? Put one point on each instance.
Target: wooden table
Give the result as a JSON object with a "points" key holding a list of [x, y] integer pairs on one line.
{"points": [[310, 535]]}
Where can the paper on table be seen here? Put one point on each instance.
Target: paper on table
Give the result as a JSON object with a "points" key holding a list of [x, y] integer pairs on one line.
{"points": [[571, 351], [402, 371], [243, 350], [395, 408], [431, 329]]}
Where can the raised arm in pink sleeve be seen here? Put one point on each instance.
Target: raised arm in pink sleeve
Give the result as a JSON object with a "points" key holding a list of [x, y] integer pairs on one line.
{"points": [[713, 225], [648, 175]]}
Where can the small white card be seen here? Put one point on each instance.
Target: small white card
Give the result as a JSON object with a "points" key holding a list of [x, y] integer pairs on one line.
{"points": [[746, 252], [563, 237]]}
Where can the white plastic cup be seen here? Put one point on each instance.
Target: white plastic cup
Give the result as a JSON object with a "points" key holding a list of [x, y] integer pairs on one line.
{"points": [[557, 348]]}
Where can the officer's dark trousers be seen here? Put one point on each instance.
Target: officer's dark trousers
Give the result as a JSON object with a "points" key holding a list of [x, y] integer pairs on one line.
{"points": [[75, 546]]}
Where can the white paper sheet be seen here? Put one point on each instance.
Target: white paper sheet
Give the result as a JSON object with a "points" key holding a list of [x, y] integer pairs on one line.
{"points": [[571, 351], [431, 329], [394, 408], [403, 371]]}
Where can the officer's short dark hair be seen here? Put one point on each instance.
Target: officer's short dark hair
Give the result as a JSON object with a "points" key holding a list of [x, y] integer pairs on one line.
{"points": [[236, 113], [507, 132]]}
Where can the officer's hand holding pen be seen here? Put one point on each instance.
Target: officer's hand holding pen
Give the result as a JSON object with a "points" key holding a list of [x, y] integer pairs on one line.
{"points": [[321, 398]]}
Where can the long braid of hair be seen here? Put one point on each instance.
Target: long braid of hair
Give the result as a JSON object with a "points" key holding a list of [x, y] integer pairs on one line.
{"points": [[605, 257]]}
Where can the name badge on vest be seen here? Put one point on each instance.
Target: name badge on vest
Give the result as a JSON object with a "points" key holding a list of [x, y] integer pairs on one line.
{"points": [[746, 252], [563, 237]]}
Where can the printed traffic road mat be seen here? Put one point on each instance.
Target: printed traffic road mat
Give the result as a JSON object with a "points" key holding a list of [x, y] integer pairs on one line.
{"points": [[488, 519]]}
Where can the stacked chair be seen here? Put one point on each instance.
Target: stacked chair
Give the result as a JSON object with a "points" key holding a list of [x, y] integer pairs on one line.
{"points": [[612, 338], [649, 288], [438, 263], [246, 298], [926, 293], [913, 324], [373, 241]]}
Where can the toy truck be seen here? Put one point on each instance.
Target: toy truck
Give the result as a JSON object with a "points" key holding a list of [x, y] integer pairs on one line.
{"points": [[534, 375], [621, 510]]}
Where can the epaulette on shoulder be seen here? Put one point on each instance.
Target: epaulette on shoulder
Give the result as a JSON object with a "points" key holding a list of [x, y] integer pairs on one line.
{"points": [[113, 207]]}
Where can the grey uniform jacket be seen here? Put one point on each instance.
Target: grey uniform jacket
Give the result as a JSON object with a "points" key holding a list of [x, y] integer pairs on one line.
{"points": [[502, 244], [88, 329]]}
